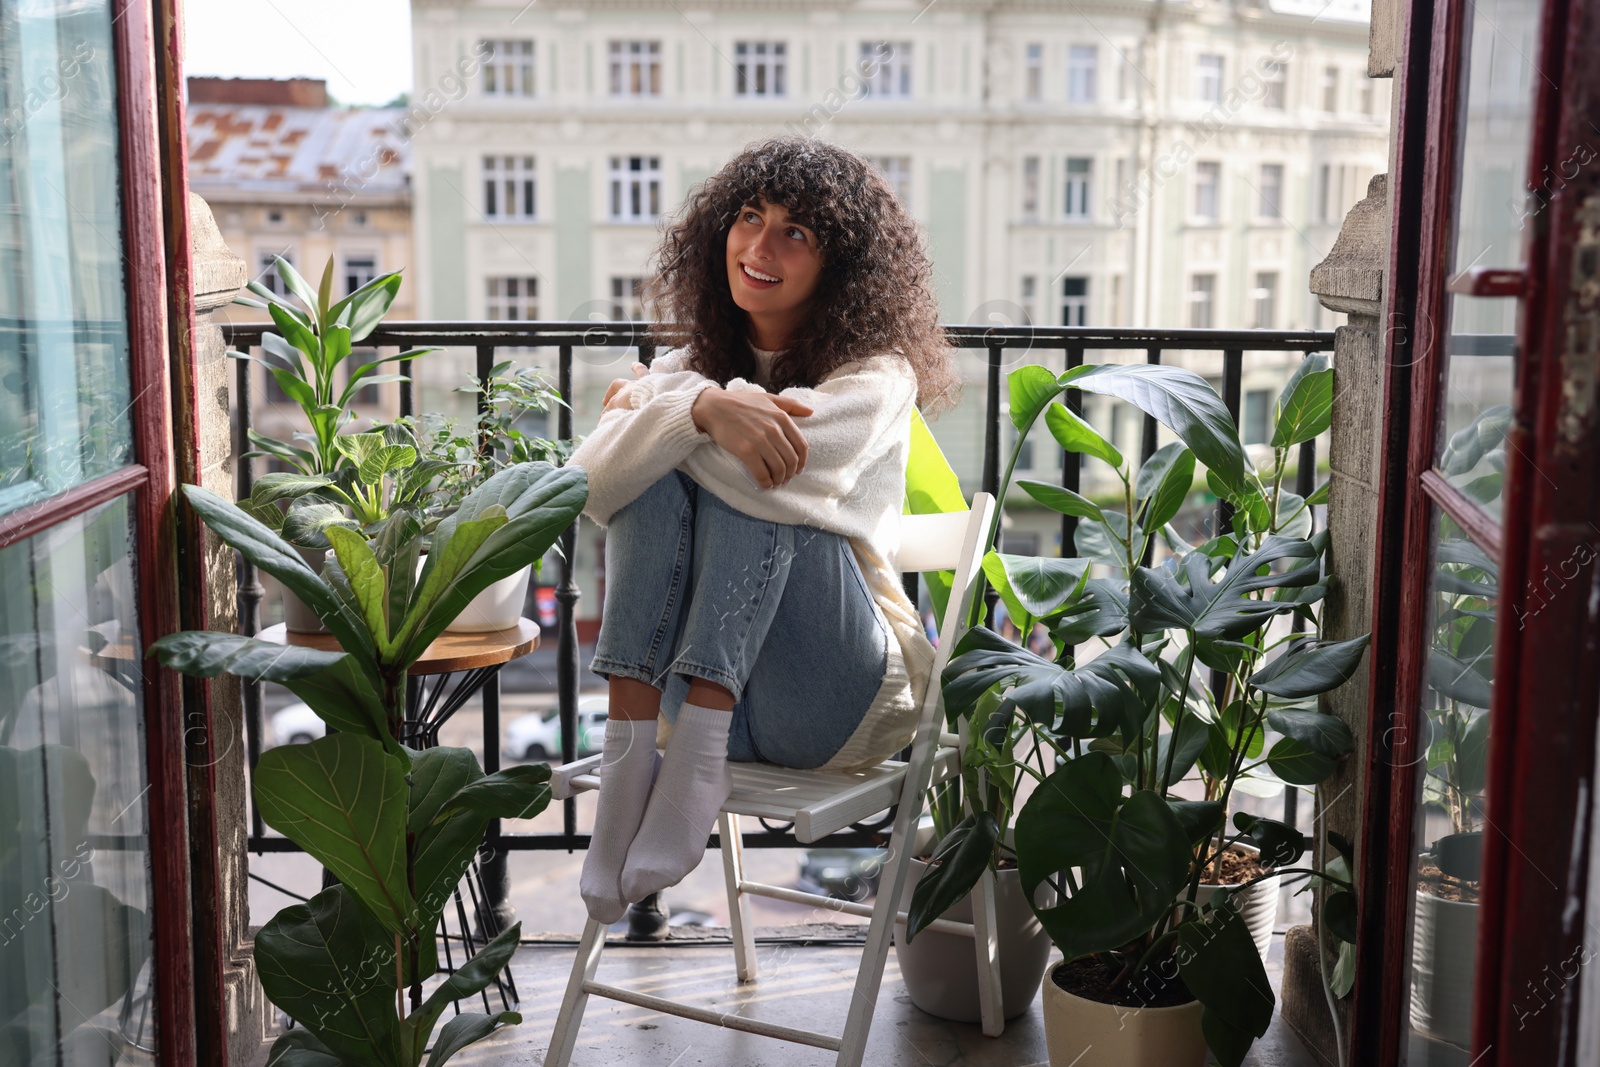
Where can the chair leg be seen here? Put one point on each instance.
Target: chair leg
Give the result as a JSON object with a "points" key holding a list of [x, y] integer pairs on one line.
{"points": [[864, 998], [986, 945], [572, 1005], [744, 945]]}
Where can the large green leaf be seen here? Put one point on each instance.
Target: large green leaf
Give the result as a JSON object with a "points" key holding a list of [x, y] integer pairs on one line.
{"points": [[519, 792], [1326, 735], [363, 309], [1181, 401], [1037, 585], [342, 798], [1164, 482], [1102, 542], [466, 1029], [1131, 853], [931, 488], [1457, 680], [1100, 609], [1061, 500], [1298, 763], [273, 555], [1305, 407], [270, 488], [1221, 609], [1030, 388], [954, 868], [1307, 667], [469, 979], [1075, 435], [367, 582], [1219, 962], [330, 965], [206, 654], [300, 1048]]}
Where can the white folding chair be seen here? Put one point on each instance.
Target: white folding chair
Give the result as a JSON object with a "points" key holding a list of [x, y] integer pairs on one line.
{"points": [[819, 804]]}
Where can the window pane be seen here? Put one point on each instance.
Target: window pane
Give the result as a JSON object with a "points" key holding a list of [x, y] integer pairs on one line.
{"points": [[74, 887], [1451, 748], [1495, 132], [64, 388]]}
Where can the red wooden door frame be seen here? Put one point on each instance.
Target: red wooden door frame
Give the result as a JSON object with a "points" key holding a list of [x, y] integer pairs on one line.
{"points": [[1542, 748]]}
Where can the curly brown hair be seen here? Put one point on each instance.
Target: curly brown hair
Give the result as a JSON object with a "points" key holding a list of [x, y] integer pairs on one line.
{"points": [[875, 293]]}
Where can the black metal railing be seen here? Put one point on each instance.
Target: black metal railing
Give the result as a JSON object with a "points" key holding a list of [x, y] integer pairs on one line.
{"points": [[1002, 346]]}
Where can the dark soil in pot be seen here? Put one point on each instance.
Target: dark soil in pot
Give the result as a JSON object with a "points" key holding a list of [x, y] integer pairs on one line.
{"points": [[1091, 978], [1236, 865], [1434, 882]]}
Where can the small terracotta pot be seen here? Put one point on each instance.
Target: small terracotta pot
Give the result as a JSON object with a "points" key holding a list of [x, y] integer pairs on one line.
{"points": [[1085, 1033]]}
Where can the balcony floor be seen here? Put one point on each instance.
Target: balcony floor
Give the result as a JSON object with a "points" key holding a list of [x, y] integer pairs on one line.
{"points": [[800, 986]]}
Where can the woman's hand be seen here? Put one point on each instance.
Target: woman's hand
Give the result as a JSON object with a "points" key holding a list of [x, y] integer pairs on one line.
{"points": [[617, 392], [758, 429]]}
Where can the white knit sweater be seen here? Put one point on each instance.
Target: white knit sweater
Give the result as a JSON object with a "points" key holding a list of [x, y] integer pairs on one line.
{"points": [[854, 481]]}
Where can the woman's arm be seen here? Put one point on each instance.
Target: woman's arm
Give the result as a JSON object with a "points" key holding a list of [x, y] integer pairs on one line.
{"points": [[856, 433], [632, 448]]}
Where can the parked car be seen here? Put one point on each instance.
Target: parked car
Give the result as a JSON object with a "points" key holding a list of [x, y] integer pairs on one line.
{"points": [[536, 737], [296, 724], [845, 873]]}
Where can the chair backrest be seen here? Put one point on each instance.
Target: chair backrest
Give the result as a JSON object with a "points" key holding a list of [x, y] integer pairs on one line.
{"points": [[952, 541]]}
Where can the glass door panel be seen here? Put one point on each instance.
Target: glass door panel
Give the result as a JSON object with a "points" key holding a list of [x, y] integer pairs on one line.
{"points": [[1491, 213], [64, 384], [75, 972]]}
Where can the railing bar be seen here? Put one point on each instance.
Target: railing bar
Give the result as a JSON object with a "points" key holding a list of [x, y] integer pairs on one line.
{"points": [[408, 400], [250, 589], [566, 601], [1147, 448], [991, 460], [1232, 382]]}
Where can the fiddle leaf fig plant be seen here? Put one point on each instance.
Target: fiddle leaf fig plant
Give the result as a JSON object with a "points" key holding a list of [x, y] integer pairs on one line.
{"points": [[396, 825], [1167, 687]]}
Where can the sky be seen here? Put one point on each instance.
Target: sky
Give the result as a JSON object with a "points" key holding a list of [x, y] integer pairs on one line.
{"points": [[362, 47]]}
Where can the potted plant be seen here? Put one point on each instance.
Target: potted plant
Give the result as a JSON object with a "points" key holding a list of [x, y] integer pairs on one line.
{"points": [[397, 826], [1151, 973], [458, 458], [303, 358]]}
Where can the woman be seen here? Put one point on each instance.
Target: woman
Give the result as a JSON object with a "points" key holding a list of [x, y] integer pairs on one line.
{"points": [[751, 484]]}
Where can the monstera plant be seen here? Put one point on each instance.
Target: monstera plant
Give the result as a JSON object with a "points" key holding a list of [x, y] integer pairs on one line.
{"points": [[398, 827], [1169, 688]]}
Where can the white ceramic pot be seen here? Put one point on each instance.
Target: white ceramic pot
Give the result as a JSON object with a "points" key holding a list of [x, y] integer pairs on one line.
{"points": [[1258, 906], [496, 608], [297, 618], [941, 970], [1086, 1033], [1444, 952]]}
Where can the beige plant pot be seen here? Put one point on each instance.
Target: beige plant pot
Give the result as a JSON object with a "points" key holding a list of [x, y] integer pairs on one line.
{"points": [[1444, 960], [1258, 906], [940, 971], [1086, 1033]]}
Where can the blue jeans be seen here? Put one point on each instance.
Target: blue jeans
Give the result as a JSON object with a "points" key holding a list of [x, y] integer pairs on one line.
{"points": [[778, 614]]}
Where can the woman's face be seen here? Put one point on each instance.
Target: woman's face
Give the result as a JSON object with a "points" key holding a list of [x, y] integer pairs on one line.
{"points": [[773, 267]]}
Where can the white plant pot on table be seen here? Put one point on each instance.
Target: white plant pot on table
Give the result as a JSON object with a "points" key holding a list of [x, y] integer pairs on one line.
{"points": [[498, 607], [1257, 905], [1086, 1033]]}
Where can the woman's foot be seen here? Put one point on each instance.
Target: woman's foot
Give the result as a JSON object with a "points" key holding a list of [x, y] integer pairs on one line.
{"points": [[628, 766], [690, 789]]}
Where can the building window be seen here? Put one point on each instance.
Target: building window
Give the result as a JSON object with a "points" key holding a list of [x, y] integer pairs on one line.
{"points": [[627, 299], [1274, 77], [897, 171], [1033, 73], [1074, 301], [1208, 78], [509, 68], [1083, 66], [1079, 172], [1365, 94], [1202, 294], [1324, 205], [1330, 89], [635, 188], [1207, 182], [1030, 188], [635, 68], [1257, 416], [1266, 299], [1024, 463], [1270, 204], [1116, 300], [358, 358], [1124, 65], [760, 68], [512, 299], [509, 187], [267, 273], [886, 68], [358, 271], [1030, 298]]}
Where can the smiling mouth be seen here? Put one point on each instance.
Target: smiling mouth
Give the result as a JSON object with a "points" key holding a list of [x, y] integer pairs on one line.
{"points": [[752, 273]]}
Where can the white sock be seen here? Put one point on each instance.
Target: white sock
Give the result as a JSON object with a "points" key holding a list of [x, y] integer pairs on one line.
{"points": [[628, 765], [689, 791]]}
